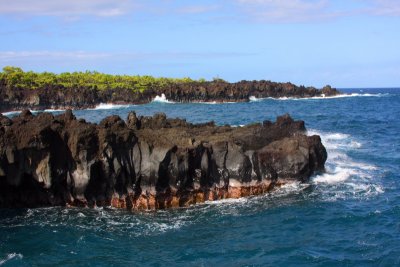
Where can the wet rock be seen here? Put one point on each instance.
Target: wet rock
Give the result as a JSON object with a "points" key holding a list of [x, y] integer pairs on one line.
{"points": [[5, 121], [80, 97], [132, 121], [147, 162]]}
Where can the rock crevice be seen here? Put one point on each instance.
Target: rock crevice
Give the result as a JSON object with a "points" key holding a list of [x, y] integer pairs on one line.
{"points": [[147, 162], [83, 97]]}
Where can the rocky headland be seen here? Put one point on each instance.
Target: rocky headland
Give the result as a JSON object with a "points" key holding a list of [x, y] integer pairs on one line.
{"points": [[53, 95], [148, 162]]}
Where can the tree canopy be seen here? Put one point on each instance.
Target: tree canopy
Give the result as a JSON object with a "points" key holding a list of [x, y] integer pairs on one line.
{"points": [[17, 78]]}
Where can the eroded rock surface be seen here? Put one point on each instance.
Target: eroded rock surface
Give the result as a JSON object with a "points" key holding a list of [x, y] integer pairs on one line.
{"points": [[81, 97], [147, 162]]}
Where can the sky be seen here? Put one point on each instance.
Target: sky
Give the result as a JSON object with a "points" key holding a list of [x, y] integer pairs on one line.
{"points": [[343, 43]]}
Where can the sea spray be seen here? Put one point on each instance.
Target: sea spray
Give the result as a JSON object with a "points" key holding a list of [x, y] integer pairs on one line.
{"points": [[162, 99]]}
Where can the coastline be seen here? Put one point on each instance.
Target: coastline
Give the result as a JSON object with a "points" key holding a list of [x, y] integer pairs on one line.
{"points": [[148, 162], [77, 97], [101, 105]]}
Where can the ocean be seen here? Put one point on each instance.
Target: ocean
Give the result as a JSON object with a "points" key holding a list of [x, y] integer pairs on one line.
{"points": [[349, 216]]}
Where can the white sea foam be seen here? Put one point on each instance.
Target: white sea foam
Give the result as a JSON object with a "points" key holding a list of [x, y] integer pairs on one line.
{"points": [[53, 110], [162, 99], [344, 176], [255, 99], [208, 103], [350, 95], [355, 144], [227, 201], [160, 222], [11, 113], [336, 136], [14, 113], [11, 256], [290, 188], [109, 106], [215, 102], [337, 141], [337, 175]]}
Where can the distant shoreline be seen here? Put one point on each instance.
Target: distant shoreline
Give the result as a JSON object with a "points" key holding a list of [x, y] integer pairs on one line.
{"points": [[82, 90]]}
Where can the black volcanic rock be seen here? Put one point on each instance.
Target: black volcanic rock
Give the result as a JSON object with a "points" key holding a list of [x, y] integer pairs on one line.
{"points": [[147, 162], [80, 97]]}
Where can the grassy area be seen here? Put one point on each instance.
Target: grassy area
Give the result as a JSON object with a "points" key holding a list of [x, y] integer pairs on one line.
{"points": [[15, 77]]}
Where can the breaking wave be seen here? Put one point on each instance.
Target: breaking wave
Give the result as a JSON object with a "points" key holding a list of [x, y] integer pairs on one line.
{"points": [[102, 106], [10, 257], [11, 113], [344, 176], [51, 110], [255, 99], [162, 99], [213, 102]]}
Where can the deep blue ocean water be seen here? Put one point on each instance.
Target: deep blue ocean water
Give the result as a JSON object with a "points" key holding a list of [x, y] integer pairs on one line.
{"points": [[349, 216]]}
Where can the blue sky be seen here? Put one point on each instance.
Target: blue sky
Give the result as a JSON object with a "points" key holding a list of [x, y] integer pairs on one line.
{"points": [[353, 43]]}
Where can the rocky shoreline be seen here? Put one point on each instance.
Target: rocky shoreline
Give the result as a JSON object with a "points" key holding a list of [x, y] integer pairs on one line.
{"points": [[14, 98], [147, 162]]}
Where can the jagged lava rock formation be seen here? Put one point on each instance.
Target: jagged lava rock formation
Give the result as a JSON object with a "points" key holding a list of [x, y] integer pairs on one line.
{"points": [[81, 97], [147, 162]]}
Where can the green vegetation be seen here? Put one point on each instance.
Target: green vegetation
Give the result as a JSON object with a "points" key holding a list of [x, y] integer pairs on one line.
{"points": [[14, 77]]}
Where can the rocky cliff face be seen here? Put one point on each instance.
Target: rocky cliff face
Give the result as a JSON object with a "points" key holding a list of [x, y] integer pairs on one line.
{"points": [[147, 162], [241, 91], [85, 97]]}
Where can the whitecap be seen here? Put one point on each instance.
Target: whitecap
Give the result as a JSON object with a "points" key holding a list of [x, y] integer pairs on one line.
{"points": [[355, 144], [345, 177], [336, 136], [367, 189], [227, 201], [348, 95], [255, 99], [53, 110], [338, 175], [11, 256], [331, 97], [336, 142], [213, 102], [155, 228], [102, 106], [163, 227], [207, 103], [162, 99], [290, 187], [10, 113]]}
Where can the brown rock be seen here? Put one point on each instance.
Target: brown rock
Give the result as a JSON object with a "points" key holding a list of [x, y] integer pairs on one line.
{"points": [[147, 162]]}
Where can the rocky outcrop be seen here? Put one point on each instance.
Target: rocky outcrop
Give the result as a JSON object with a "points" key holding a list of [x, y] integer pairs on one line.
{"points": [[147, 162], [221, 91], [57, 96]]}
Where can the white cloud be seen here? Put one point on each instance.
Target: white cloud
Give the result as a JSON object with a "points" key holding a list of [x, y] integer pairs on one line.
{"points": [[287, 10], [74, 55], [256, 10], [10, 56], [198, 9], [314, 10], [385, 7], [66, 8], [100, 8]]}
